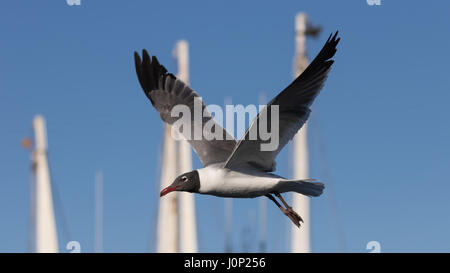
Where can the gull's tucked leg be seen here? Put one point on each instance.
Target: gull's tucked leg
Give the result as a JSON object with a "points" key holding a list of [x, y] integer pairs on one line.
{"points": [[289, 208], [291, 214]]}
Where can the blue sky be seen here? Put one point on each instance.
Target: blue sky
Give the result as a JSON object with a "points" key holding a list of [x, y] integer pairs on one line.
{"points": [[379, 133]]}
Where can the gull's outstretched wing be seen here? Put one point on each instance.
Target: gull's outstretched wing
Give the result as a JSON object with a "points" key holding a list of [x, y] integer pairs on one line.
{"points": [[166, 91], [294, 107]]}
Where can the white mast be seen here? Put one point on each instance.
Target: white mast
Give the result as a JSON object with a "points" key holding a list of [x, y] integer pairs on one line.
{"points": [[188, 225], [300, 241], [167, 241], [181, 54], [45, 238], [99, 212]]}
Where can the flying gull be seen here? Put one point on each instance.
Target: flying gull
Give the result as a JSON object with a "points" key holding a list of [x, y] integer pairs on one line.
{"points": [[239, 169]]}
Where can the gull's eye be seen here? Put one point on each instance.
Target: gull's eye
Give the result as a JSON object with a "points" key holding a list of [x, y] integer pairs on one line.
{"points": [[184, 179]]}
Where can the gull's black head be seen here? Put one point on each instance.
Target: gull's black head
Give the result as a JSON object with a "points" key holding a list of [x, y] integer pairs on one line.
{"points": [[189, 182]]}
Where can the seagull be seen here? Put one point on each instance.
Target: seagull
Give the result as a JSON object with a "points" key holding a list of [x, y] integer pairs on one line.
{"points": [[239, 169]]}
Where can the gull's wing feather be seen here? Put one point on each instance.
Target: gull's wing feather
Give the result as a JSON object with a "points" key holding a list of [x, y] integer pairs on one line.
{"points": [[165, 91], [294, 107]]}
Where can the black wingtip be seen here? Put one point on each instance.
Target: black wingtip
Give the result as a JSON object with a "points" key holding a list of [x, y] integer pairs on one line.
{"points": [[329, 37], [332, 37], [335, 34], [137, 58], [336, 39], [155, 61], [326, 53], [149, 72], [145, 57]]}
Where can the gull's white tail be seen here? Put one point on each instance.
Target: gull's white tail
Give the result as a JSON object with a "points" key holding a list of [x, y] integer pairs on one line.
{"points": [[306, 187]]}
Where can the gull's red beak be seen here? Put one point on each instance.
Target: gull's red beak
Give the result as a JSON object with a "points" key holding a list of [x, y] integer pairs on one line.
{"points": [[167, 190]]}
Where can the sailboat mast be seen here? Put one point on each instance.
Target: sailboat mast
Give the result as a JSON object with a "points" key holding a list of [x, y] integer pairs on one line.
{"points": [[300, 238], [45, 238], [167, 230], [188, 225]]}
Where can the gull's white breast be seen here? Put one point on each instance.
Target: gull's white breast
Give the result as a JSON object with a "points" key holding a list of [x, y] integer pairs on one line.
{"points": [[218, 181]]}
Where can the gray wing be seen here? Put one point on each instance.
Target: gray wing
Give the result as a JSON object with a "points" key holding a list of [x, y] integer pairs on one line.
{"points": [[294, 107], [166, 91]]}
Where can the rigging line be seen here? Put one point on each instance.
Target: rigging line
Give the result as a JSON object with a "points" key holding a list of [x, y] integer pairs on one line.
{"points": [[325, 170], [58, 203]]}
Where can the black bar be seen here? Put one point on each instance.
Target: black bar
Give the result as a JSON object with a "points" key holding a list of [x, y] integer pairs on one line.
{"points": [[218, 262]]}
